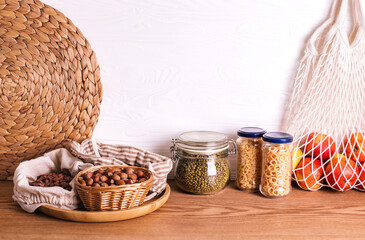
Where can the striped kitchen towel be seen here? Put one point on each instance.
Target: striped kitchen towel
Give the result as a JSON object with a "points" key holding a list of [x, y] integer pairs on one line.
{"points": [[98, 153]]}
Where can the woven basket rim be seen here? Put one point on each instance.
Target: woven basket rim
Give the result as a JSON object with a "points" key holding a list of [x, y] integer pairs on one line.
{"points": [[115, 188]]}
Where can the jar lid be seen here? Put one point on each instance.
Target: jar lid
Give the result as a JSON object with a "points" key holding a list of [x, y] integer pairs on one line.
{"points": [[202, 140], [277, 137], [251, 132]]}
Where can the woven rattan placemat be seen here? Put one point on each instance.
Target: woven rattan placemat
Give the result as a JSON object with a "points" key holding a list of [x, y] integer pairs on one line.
{"points": [[50, 82]]}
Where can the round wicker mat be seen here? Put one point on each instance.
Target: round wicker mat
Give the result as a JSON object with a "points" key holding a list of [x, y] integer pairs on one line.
{"points": [[50, 82]]}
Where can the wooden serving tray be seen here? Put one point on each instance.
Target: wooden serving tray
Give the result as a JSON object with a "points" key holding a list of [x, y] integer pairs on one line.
{"points": [[108, 216]]}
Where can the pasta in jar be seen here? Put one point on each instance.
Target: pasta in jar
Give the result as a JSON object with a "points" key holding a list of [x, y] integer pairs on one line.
{"points": [[249, 158], [276, 164]]}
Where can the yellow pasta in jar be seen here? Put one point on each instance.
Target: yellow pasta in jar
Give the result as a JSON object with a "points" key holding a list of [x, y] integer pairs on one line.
{"points": [[249, 161], [276, 165]]}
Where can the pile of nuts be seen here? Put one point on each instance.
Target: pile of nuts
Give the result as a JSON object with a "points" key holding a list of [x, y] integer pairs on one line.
{"points": [[112, 177], [53, 180]]}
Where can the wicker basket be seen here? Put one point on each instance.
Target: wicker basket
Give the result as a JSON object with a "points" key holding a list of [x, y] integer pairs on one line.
{"points": [[49, 82], [114, 197]]}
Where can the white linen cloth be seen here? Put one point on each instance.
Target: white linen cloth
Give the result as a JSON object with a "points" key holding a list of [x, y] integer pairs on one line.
{"points": [[31, 197]]}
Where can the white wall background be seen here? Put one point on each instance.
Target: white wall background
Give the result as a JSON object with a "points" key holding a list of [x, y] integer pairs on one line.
{"points": [[170, 66]]}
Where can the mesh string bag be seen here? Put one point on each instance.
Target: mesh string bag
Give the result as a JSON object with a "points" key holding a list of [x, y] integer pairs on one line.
{"points": [[327, 108]]}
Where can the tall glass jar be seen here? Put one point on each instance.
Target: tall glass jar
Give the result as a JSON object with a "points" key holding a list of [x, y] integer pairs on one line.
{"points": [[276, 164], [201, 161], [249, 159]]}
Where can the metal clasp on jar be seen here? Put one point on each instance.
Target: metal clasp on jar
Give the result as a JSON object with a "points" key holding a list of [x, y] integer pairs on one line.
{"points": [[173, 149], [232, 150]]}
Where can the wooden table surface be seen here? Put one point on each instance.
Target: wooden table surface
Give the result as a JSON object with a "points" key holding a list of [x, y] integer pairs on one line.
{"points": [[231, 214]]}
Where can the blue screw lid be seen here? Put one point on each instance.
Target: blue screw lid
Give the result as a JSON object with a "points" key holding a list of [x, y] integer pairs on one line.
{"points": [[251, 132], [277, 137]]}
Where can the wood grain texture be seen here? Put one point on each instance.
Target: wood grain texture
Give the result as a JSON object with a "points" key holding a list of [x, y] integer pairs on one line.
{"points": [[231, 214]]}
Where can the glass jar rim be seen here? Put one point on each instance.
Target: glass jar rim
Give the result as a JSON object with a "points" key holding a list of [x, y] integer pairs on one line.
{"points": [[202, 140], [200, 151]]}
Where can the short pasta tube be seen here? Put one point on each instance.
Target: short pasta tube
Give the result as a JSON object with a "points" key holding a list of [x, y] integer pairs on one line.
{"points": [[276, 164]]}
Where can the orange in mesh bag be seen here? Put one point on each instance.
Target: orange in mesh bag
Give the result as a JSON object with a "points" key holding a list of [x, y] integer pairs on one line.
{"points": [[327, 112]]}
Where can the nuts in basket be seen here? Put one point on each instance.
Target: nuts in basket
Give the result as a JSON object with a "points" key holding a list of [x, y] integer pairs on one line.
{"points": [[112, 177], [113, 187]]}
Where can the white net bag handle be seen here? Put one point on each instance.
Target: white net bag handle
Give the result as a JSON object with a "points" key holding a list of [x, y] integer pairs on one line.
{"points": [[337, 19], [334, 19], [329, 90]]}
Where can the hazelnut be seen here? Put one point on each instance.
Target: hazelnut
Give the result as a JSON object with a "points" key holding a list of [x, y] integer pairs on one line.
{"points": [[86, 175], [119, 182], [82, 182], [131, 181], [140, 173], [89, 182], [132, 176], [142, 179], [123, 175], [110, 181], [103, 178], [116, 177], [129, 171], [96, 178]]}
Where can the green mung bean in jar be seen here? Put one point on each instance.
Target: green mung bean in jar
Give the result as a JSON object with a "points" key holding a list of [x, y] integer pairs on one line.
{"points": [[201, 161]]}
